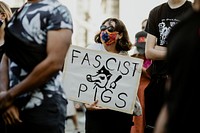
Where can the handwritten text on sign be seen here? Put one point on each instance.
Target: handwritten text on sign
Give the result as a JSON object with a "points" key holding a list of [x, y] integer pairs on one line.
{"points": [[111, 79]]}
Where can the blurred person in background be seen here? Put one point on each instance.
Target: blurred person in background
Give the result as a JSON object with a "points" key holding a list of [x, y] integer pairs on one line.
{"points": [[134, 49], [5, 15], [144, 24], [140, 42], [139, 46], [72, 114]]}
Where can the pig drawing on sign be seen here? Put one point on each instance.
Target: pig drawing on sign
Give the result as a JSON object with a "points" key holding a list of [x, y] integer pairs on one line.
{"points": [[101, 80]]}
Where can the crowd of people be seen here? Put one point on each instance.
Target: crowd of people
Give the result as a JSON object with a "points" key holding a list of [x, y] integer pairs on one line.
{"points": [[32, 97]]}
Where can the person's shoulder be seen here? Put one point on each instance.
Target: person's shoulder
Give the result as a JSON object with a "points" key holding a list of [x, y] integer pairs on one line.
{"points": [[53, 4], [158, 7]]}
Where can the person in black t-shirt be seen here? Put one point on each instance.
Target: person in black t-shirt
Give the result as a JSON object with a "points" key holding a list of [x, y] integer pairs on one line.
{"points": [[180, 113], [160, 21]]}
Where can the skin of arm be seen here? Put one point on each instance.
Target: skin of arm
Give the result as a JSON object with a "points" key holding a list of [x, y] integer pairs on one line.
{"points": [[44, 70], [196, 5], [4, 74], [161, 121], [153, 51]]}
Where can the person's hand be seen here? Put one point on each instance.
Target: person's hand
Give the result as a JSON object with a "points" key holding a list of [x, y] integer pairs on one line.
{"points": [[146, 73], [93, 106], [5, 101], [11, 116]]}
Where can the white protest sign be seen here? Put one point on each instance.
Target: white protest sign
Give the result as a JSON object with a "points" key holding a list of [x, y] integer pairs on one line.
{"points": [[110, 78]]}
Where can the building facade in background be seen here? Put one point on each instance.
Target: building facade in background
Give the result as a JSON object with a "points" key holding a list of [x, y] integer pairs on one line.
{"points": [[87, 16]]}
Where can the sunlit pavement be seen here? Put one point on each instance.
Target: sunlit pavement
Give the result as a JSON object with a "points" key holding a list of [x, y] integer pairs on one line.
{"points": [[81, 121]]}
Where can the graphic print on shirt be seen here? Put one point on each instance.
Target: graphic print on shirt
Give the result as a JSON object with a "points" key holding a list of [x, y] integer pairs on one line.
{"points": [[165, 27]]}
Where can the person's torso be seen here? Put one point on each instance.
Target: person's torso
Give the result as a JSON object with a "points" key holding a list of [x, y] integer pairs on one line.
{"points": [[162, 20], [32, 22]]}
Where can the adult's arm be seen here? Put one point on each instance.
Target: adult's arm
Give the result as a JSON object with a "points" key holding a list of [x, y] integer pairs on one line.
{"points": [[58, 42], [4, 74], [153, 51], [162, 121]]}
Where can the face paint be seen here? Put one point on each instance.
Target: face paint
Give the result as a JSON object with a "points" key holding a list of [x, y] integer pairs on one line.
{"points": [[108, 37]]}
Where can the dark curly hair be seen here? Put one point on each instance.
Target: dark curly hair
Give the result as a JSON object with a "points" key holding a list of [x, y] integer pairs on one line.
{"points": [[124, 43]]}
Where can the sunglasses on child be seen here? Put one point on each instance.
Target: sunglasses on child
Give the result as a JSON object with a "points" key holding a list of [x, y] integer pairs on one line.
{"points": [[110, 28]]}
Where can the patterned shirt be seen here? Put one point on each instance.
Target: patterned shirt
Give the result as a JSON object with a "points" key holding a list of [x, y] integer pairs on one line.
{"points": [[32, 22]]}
